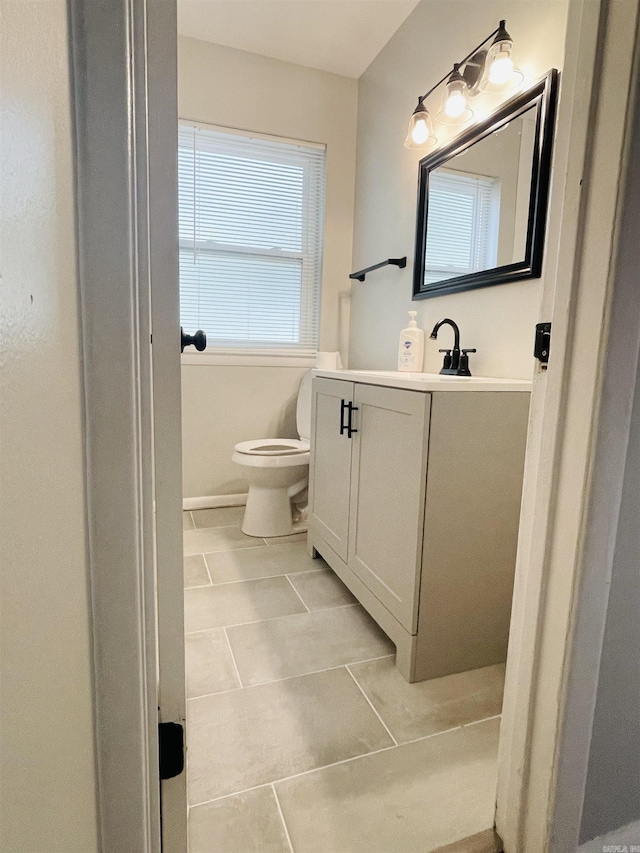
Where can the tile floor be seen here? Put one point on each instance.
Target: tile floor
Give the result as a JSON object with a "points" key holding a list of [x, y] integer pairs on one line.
{"points": [[302, 736]]}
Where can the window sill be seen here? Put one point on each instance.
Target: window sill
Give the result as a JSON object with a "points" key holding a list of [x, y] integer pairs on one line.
{"points": [[247, 358]]}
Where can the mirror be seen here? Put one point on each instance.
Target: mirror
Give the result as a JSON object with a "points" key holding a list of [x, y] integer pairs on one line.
{"points": [[482, 199]]}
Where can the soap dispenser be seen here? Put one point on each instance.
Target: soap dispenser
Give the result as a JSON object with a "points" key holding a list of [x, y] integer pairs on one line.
{"points": [[411, 346]]}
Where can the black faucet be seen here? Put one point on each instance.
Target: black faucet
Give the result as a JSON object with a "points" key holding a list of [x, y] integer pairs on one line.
{"points": [[456, 361]]}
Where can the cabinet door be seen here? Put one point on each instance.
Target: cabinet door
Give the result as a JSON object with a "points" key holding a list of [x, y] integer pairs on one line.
{"points": [[330, 469], [388, 474]]}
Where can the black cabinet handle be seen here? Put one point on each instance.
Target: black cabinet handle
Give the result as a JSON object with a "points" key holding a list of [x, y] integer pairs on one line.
{"points": [[350, 429], [343, 426], [350, 408], [199, 340]]}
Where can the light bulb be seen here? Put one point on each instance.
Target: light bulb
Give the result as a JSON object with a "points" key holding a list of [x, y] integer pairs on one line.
{"points": [[501, 72], [501, 68], [456, 105], [420, 132]]}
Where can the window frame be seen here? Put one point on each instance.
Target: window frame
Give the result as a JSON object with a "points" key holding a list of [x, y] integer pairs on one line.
{"points": [[261, 355]]}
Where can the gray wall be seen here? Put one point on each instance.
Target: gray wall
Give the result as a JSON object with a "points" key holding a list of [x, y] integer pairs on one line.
{"points": [[225, 404], [499, 321], [47, 761], [612, 796]]}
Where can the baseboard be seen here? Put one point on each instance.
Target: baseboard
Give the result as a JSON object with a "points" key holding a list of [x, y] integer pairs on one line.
{"points": [[620, 840], [213, 501], [484, 842]]}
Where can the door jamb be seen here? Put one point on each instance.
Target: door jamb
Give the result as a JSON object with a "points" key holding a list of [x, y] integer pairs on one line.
{"points": [[590, 160], [618, 378]]}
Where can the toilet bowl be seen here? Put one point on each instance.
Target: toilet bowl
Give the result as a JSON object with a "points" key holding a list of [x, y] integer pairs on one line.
{"points": [[277, 470]]}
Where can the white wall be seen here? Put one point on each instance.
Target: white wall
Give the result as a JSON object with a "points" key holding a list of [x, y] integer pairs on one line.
{"points": [[219, 85], [47, 759], [500, 320], [224, 405]]}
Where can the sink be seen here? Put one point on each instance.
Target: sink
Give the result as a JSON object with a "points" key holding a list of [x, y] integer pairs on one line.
{"points": [[423, 377], [426, 381]]}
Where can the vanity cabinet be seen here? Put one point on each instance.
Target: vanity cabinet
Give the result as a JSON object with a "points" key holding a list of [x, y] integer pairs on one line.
{"points": [[414, 500]]}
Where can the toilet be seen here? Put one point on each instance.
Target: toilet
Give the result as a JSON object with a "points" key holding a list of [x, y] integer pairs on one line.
{"points": [[278, 473]]}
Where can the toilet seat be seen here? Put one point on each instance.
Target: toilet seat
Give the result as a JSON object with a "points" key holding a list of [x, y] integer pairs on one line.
{"points": [[280, 460], [273, 446]]}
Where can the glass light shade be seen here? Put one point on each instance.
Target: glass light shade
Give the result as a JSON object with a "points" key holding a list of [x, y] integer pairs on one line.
{"points": [[501, 74], [420, 133], [455, 107]]}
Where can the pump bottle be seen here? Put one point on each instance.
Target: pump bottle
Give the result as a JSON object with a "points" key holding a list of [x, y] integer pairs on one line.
{"points": [[411, 347]]}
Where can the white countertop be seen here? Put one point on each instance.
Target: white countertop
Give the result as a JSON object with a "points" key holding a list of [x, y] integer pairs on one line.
{"points": [[426, 381]]}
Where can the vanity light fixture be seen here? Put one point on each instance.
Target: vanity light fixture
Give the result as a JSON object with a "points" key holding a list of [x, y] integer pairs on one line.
{"points": [[490, 70]]}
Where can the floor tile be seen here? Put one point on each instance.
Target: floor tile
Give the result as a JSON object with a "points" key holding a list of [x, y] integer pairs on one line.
{"points": [[306, 643], [244, 823], [235, 603], [416, 710], [209, 664], [245, 738], [249, 563], [187, 521], [293, 537], [406, 800], [195, 571], [224, 516], [210, 539], [322, 589]]}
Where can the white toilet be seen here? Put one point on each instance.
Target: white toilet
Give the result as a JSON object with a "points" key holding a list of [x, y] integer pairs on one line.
{"points": [[278, 472]]}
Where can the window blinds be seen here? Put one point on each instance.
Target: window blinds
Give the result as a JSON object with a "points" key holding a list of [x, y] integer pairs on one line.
{"points": [[251, 213], [462, 224]]}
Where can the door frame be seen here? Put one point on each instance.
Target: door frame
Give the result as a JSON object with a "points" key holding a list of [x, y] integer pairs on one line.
{"points": [[124, 83], [122, 60], [567, 531]]}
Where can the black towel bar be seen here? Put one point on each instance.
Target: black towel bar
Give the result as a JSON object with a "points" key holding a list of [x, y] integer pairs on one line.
{"points": [[396, 262]]}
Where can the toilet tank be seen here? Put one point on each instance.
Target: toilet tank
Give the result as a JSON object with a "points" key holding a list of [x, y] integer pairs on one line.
{"points": [[303, 411]]}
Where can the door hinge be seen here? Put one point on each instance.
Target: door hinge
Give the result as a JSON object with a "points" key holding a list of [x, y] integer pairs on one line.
{"points": [[542, 342], [171, 749]]}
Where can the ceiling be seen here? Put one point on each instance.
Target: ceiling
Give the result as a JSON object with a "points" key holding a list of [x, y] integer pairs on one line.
{"points": [[341, 36]]}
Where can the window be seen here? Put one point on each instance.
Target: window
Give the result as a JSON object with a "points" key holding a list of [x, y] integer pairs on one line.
{"points": [[462, 225], [251, 212]]}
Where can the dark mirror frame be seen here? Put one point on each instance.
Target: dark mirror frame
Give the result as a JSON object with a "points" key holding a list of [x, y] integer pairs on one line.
{"points": [[542, 95]]}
